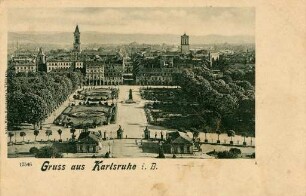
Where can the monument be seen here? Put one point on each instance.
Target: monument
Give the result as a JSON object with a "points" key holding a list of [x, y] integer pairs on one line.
{"points": [[130, 100]]}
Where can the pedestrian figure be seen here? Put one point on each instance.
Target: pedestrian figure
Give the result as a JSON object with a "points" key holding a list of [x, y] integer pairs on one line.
{"points": [[155, 135]]}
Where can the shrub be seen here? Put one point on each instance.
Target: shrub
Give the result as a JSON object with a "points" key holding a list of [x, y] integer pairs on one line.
{"points": [[226, 155], [253, 155], [235, 151], [48, 152], [33, 150]]}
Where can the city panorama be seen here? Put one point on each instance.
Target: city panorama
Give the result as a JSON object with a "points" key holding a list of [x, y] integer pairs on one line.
{"points": [[89, 94]]}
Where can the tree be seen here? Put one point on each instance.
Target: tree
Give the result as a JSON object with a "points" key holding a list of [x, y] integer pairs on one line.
{"points": [[10, 134], [31, 97], [48, 133], [72, 130], [34, 108], [218, 132], [14, 105], [33, 150], [235, 151], [226, 155], [60, 133], [36, 132], [22, 134], [231, 134]]}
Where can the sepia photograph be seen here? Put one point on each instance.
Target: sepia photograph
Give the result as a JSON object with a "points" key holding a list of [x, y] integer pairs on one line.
{"points": [[131, 82]]}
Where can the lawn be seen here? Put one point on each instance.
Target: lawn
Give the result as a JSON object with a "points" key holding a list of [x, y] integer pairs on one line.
{"points": [[90, 114], [170, 109]]}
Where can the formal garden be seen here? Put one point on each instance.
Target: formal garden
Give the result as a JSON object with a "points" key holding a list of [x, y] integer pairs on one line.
{"points": [[97, 94], [90, 109], [169, 108], [87, 114]]}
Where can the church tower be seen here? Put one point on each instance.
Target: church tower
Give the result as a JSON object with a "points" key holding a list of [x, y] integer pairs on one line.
{"points": [[77, 42], [41, 64], [184, 44]]}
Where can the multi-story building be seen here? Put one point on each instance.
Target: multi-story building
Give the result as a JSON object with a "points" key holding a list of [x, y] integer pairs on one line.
{"points": [[94, 73], [55, 64], [113, 66], [24, 65], [156, 76], [113, 74], [58, 64], [79, 65], [127, 71]]}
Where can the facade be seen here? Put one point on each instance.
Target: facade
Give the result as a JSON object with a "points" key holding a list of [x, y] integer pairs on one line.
{"points": [[55, 64], [58, 64], [79, 65], [25, 65], [156, 76], [184, 44], [127, 71], [213, 56], [113, 74], [94, 73]]}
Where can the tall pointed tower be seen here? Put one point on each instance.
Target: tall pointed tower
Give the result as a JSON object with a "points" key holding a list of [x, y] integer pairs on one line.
{"points": [[184, 44], [77, 42]]}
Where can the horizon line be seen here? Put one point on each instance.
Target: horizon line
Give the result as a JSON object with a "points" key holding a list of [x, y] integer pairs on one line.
{"points": [[129, 33]]}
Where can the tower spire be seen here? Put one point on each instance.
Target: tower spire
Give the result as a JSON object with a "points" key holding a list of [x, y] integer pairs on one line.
{"points": [[77, 29]]}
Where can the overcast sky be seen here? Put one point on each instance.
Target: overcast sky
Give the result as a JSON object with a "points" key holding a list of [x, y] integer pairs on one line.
{"points": [[193, 21]]}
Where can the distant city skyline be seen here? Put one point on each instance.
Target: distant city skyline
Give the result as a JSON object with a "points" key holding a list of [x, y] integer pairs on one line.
{"points": [[193, 21]]}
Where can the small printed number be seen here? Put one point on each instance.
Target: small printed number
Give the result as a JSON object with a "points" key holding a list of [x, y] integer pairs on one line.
{"points": [[25, 164]]}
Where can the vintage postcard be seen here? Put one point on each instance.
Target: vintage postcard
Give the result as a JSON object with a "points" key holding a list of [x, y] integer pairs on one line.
{"points": [[162, 94], [117, 88]]}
